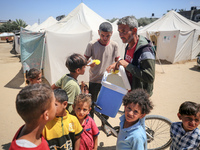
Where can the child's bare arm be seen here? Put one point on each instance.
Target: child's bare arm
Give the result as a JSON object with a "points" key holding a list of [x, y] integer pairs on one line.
{"points": [[77, 142], [95, 142], [54, 87]]}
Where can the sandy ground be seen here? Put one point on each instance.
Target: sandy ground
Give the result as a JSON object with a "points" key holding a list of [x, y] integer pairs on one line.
{"points": [[174, 84]]}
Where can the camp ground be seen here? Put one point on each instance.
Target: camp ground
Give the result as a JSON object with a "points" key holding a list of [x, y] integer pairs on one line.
{"points": [[175, 38]]}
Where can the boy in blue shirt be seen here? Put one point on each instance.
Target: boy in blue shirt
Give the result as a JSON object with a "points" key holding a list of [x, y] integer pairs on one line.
{"points": [[186, 135], [132, 135]]}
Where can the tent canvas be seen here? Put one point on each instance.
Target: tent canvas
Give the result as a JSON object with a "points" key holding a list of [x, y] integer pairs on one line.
{"points": [[71, 35], [47, 23], [176, 37]]}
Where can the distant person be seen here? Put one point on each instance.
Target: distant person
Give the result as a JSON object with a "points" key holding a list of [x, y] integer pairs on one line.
{"points": [[106, 51], [139, 57], [63, 132], [186, 135], [36, 106], [132, 135], [33, 76], [76, 65], [89, 137]]}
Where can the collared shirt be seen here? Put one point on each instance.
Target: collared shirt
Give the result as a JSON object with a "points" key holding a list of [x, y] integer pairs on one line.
{"points": [[182, 140], [131, 138], [90, 130]]}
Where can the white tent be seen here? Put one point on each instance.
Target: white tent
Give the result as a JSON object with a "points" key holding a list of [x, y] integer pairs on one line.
{"points": [[5, 34], [27, 27], [176, 37], [71, 35], [33, 26], [47, 23]]}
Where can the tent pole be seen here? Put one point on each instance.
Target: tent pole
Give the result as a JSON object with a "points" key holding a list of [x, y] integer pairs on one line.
{"points": [[156, 55]]}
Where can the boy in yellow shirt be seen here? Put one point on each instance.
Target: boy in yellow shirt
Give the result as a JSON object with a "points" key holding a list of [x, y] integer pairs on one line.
{"points": [[63, 132]]}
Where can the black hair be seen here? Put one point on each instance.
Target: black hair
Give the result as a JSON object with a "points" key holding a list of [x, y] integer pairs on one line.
{"points": [[189, 108], [60, 95], [32, 74], [75, 61], [105, 27], [140, 97], [32, 101]]}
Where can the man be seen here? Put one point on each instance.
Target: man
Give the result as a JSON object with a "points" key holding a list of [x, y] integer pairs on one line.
{"points": [[104, 50], [139, 58]]}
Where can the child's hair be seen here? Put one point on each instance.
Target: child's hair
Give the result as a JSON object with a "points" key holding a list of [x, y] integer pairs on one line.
{"points": [[32, 101], [60, 95], [140, 97], [81, 98], [32, 74], [75, 61], [189, 108]]}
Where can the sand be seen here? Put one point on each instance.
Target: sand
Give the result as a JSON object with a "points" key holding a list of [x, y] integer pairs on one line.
{"points": [[174, 84]]}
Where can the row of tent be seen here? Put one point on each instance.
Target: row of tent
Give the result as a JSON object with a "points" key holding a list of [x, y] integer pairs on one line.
{"points": [[47, 45]]}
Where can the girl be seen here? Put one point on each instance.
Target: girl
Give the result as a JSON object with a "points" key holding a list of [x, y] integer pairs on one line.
{"points": [[33, 76]]}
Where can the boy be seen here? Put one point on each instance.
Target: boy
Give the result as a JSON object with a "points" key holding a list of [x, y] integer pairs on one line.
{"points": [[89, 137], [76, 64], [185, 135], [36, 106], [132, 135], [63, 132], [106, 51]]}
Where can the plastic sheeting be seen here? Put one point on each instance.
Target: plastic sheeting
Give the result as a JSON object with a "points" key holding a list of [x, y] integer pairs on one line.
{"points": [[32, 49]]}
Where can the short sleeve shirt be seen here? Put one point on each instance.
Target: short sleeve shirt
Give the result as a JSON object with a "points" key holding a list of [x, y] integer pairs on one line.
{"points": [[90, 130], [70, 85], [106, 54]]}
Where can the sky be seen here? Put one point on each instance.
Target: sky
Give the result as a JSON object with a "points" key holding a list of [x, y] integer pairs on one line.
{"points": [[37, 11]]}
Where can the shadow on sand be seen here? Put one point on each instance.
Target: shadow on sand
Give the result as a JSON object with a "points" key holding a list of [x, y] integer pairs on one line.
{"points": [[106, 148], [5, 146], [195, 68], [17, 81]]}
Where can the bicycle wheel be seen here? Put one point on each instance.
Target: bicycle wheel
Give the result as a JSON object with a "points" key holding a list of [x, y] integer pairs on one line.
{"points": [[158, 132]]}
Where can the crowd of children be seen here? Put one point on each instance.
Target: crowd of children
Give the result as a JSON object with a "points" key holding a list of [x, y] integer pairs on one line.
{"points": [[58, 117], [50, 123]]}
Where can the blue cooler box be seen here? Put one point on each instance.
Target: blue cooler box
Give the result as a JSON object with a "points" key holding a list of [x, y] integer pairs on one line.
{"points": [[114, 87]]}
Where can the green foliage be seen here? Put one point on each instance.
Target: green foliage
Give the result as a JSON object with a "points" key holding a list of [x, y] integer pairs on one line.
{"points": [[11, 26], [145, 21], [112, 20]]}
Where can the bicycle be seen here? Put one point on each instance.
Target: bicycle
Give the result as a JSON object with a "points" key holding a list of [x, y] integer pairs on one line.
{"points": [[157, 130]]}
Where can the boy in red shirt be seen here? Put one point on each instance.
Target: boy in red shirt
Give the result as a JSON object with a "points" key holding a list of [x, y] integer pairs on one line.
{"points": [[36, 106]]}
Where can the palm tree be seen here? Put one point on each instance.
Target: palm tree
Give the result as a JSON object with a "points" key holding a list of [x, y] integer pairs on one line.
{"points": [[20, 23]]}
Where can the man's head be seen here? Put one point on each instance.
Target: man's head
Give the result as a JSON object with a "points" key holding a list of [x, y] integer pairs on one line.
{"points": [[137, 105], [61, 101], [34, 102], [189, 113], [76, 63], [127, 27], [105, 32]]}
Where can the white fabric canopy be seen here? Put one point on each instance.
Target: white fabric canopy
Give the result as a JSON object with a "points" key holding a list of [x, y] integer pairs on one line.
{"points": [[47, 23], [71, 35], [176, 37]]}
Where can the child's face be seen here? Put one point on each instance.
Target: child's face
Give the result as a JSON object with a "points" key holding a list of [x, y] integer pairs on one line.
{"points": [[52, 109], [133, 112], [190, 122], [60, 108], [82, 109], [37, 80]]}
